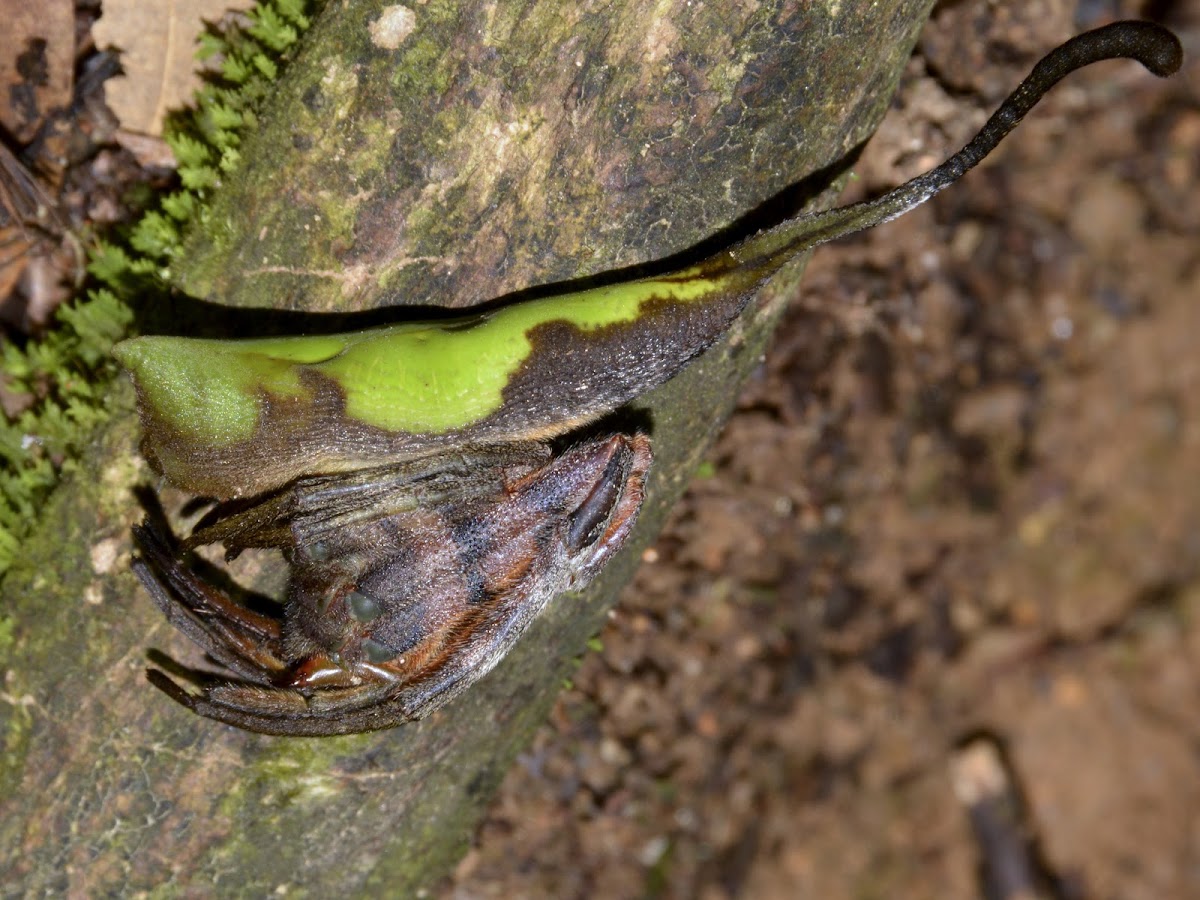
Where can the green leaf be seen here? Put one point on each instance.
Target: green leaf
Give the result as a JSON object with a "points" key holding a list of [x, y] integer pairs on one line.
{"points": [[230, 158], [236, 70], [188, 150], [222, 116], [269, 27], [109, 264], [266, 66], [199, 178], [180, 206], [209, 45], [293, 11], [155, 235]]}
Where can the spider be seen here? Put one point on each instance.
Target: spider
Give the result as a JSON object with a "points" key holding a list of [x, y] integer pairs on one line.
{"points": [[408, 582]]}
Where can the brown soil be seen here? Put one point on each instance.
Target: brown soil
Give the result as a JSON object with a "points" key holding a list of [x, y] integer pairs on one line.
{"points": [[960, 505]]}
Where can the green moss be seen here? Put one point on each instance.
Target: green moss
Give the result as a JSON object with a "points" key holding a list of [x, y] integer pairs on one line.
{"points": [[422, 57], [6, 634], [17, 729], [66, 374]]}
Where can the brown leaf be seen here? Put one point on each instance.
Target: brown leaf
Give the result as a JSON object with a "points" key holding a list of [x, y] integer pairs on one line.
{"points": [[157, 40], [35, 252], [37, 68]]}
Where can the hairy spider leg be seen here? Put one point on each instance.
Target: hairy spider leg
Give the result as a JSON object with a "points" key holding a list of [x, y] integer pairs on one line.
{"points": [[238, 638]]}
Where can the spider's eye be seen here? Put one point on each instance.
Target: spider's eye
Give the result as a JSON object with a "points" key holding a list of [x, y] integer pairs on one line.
{"points": [[587, 521], [377, 652], [363, 607]]}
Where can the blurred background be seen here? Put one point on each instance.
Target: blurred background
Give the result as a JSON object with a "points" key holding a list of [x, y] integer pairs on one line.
{"points": [[929, 623]]}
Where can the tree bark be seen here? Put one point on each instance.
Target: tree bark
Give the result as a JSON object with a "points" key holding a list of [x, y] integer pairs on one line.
{"points": [[489, 149]]}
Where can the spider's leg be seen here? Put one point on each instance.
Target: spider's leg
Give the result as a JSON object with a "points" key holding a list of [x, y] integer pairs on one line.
{"points": [[287, 711], [238, 638]]}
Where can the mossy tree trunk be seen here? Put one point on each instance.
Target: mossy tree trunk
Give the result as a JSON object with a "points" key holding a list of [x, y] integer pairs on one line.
{"points": [[445, 154]]}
